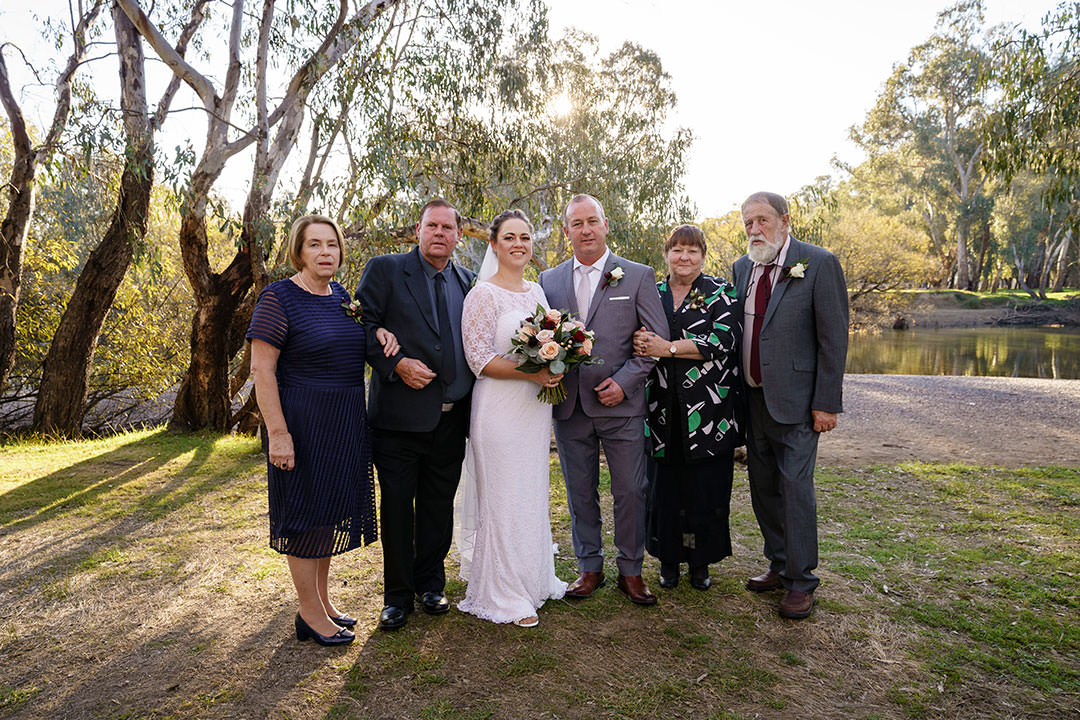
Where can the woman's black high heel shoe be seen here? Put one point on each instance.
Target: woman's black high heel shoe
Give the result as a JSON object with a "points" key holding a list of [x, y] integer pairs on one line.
{"points": [[344, 621], [699, 578], [669, 575], [304, 632]]}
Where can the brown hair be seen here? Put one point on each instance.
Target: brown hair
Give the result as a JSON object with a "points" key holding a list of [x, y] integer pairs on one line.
{"points": [[778, 203], [296, 238], [439, 202], [511, 214], [690, 235]]}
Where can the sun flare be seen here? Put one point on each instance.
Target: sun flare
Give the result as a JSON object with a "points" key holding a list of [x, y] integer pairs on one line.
{"points": [[561, 105]]}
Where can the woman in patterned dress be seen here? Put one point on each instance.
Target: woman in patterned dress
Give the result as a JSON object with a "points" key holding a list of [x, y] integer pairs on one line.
{"points": [[307, 350], [694, 413]]}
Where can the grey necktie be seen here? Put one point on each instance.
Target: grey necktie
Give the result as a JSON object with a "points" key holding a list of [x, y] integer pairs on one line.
{"points": [[583, 293]]}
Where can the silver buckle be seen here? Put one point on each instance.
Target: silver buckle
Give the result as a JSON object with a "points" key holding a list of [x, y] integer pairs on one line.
{"points": [[447, 407]]}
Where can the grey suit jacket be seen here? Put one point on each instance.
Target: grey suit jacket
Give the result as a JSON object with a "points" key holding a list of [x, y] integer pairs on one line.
{"points": [[615, 312], [803, 336], [393, 294]]}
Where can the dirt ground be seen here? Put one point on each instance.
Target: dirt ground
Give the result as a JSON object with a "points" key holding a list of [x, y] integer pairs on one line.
{"points": [[987, 421]]}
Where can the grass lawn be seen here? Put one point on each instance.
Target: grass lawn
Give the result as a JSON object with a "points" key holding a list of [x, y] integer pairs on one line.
{"points": [[136, 582]]}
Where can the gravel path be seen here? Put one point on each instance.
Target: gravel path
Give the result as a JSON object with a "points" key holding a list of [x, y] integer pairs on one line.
{"points": [[1011, 422]]}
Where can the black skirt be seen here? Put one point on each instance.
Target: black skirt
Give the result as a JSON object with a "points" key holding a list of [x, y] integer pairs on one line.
{"points": [[687, 509]]}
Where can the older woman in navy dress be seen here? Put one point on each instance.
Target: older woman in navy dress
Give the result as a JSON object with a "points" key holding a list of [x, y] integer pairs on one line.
{"points": [[307, 350]]}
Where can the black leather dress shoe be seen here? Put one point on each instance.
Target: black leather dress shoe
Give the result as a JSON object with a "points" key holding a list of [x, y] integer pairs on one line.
{"points": [[434, 603], [344, 621], [393, 617], [699, 578], [669, 575], [304, 632]]}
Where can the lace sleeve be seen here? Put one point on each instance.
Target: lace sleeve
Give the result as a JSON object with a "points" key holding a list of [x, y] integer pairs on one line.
{"points": [[478, 320], [539, 297], [268, 321]]}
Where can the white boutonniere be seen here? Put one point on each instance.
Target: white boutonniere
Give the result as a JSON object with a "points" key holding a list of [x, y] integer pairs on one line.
{"points": [[613, 276], [797, 270]]}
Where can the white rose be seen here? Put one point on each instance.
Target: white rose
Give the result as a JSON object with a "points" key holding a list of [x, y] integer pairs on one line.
{"points": [[616, 273], [797, 270], [545, 336]]}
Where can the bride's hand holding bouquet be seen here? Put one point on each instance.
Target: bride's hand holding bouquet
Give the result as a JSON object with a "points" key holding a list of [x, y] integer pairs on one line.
{"points": [[550, 343]]}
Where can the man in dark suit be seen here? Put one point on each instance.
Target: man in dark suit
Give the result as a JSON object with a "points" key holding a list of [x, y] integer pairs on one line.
{"points": [[605, 403], [795, 346], [418, 408]]}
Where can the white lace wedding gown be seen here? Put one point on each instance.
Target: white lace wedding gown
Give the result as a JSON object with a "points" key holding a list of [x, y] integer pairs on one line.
{"points": [[502, 527]]}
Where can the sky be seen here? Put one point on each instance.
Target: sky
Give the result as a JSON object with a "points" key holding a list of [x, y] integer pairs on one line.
{"points": [[769, 89]]}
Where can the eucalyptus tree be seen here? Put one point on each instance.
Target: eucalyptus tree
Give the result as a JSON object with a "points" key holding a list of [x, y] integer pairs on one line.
{"points": [[62, 393], [27, 159], [1036, 128], [930, 115]]}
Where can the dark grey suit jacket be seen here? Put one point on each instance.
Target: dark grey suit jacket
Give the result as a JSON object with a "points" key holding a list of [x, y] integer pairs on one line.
{"points": [[393, 294], [615, 312], [803, 336]]}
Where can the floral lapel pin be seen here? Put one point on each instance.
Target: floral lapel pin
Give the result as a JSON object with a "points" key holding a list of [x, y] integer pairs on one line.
{"points": [[796, 270], [352, 309], [612, 277], [696, 300]]}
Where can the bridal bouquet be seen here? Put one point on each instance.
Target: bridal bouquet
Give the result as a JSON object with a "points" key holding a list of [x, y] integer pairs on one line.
{"points": [[552, 339]]}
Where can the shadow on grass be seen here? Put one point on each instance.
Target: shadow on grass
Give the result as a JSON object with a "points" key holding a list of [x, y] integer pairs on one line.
{"points": [[118, 493]]}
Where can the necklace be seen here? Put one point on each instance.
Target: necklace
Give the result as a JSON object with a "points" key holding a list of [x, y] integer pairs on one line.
{"points": [[300, 281]]}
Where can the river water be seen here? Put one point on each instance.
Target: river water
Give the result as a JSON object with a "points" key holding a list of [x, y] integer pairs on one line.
{"points": [[981, 352]]}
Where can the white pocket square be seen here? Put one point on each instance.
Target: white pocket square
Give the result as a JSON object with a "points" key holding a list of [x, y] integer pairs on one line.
{"points": [[621, 297]]}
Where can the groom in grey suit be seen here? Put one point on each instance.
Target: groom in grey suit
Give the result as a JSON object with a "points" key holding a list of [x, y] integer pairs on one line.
{"points": [[795, 346], [605, 404]]}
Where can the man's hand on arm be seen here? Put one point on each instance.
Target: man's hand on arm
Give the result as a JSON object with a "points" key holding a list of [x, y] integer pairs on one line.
{"points": [[823, 421], [414, 373], [609, 393]]}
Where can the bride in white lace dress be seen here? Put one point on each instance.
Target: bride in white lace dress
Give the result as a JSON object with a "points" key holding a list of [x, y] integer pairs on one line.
{"points": [[502, 527]]}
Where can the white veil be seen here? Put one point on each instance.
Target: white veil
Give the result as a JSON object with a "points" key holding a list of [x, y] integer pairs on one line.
{"points": [[466, 503], [489, 266]]}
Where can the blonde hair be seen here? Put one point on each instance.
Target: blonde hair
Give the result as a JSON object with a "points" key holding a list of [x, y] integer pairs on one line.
{"points": [[296, 238]]}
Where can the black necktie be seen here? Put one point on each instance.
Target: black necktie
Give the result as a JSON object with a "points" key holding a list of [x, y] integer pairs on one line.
{"points": [[447, 368]]}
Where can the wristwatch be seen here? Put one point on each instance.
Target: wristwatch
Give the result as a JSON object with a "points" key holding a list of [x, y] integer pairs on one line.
{"points": [[673, 350]]}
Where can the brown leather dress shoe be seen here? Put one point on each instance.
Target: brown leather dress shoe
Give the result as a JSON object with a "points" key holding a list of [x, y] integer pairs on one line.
{"points": [[764, 583], [586, 584], [636, 589], [796, 605]]}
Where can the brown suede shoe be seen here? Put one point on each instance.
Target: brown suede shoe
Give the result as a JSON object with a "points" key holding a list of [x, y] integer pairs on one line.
{"points": [[636, 589], [586, 584], [796, 605], [764, 583]]}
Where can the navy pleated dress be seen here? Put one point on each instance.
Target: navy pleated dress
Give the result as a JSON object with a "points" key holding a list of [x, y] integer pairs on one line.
{"points": [[325, 505]]}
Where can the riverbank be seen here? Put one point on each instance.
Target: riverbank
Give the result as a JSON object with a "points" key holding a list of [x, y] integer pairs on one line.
{"points": [[960, 309], [1012, 422]]}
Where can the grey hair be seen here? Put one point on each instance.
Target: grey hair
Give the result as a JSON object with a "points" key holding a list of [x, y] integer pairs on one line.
{"points": [[778, 203]]}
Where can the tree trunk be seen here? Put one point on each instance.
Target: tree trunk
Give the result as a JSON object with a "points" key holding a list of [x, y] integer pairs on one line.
{"points": [[65, 374], [963, 271], [13, 229], [1062, 262], [203, 400]]}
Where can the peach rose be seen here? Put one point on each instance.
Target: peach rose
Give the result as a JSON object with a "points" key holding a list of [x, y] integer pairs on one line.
{"points": [[549, 351], [545, 336], [586, 347], [553, 315], [527, 330]]}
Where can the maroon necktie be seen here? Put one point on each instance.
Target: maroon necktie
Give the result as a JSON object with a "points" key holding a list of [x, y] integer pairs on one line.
{"points": [[761, 302]]}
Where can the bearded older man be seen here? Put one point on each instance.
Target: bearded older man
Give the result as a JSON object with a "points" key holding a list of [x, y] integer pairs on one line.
{"points": [[796, 325]]}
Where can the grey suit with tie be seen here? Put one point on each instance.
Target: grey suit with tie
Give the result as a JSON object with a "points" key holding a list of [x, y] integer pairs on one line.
{"points": [[582, 423], [803, 348]]}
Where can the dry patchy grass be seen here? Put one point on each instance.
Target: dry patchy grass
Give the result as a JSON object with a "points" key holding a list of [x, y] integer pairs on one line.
{"points": [[136, 582]]}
